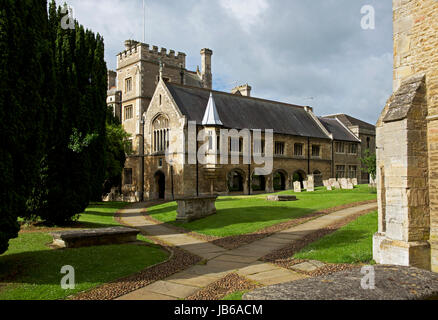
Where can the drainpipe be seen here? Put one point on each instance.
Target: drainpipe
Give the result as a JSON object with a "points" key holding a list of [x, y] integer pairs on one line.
{"points": [[333, 158], [308, 155], [249, 179], [171, 177], [142, 157], [197, 170]]}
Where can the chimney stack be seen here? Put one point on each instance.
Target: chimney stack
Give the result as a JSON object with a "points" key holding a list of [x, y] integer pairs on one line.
{"points": [[206, 74], [244, 90], [112, 75]]}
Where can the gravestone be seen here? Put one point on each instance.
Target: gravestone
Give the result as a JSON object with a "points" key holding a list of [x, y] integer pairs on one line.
{"points": [[297, 186], [336, 185], [355, 182], [329, 188], [310, 183], [344, 183], [326, 183], [350, 186], [332, 181], [305, 185]]}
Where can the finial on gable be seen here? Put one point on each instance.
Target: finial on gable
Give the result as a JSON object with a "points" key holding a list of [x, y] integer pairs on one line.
{"points": [[211, 116]]}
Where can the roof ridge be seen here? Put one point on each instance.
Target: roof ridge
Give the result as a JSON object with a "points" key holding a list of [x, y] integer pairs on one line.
{"points": [[237, 96]]}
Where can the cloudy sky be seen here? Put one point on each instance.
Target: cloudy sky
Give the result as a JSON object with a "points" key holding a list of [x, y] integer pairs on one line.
{"points": [[303, 52]]}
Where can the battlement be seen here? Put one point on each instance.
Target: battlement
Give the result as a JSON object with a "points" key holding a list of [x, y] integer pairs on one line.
{"points": [[135, 51]]}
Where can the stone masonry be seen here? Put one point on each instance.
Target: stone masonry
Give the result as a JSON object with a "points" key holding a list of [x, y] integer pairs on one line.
{"points": [[407, 143]]}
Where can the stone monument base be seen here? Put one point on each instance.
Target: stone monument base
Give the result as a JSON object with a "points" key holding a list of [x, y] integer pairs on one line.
{"points": [[195, 208], [400, 253]]}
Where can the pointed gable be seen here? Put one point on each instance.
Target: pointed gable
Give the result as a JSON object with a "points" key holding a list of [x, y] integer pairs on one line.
{"points": [[211, 116]]}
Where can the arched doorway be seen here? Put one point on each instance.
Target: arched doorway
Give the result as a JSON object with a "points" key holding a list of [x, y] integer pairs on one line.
{"points": [[160, 185], [300, 176], [258, 183], [235, 181], [280, 181], [317, 175]]}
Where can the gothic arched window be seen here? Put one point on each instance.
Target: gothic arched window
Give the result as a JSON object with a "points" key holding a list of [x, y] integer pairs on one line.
{"points": [[160, 127]]}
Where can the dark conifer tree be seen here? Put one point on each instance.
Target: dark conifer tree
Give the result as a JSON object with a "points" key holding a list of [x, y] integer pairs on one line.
{"points": [[26, 81]]}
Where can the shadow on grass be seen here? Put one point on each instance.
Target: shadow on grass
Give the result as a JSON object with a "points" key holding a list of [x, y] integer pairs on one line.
{"points": [[107, 263]]}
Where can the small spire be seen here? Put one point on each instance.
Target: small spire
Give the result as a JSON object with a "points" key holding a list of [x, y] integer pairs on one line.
{"points": [[211, 116], [161, 69]]}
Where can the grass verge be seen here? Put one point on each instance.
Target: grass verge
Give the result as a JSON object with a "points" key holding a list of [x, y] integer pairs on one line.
{"points": [[350, 244], [30, 270], [246, 214]]}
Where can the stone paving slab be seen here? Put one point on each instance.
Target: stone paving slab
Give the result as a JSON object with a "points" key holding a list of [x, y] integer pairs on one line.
{"points": [[172, 289], [189, 279], [308, 266], [221, 261], [207, 271], [276, 276], [234, 258], [391, 283], [146, 295], [257, 267], [226, 265]]}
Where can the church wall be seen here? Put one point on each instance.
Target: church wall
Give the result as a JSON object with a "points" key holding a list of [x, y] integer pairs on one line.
{"points": [[415, 51]]}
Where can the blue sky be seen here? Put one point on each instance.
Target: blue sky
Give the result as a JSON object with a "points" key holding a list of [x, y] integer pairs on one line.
{"points": [[303, 52]]}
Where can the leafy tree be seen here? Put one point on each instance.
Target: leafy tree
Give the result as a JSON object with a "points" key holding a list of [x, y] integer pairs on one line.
{"points": [[117, 147], [370, 163], [26, 105]]}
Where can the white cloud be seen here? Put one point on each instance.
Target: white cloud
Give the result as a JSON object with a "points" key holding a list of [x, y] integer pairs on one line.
{"points": [[247, 12]]}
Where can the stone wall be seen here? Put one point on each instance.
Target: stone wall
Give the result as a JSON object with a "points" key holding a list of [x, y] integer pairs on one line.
{"points": [[404, 223], [415, 53]]}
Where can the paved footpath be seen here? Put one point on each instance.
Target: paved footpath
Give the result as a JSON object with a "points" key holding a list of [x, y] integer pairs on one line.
{"points": [[220, 261]]}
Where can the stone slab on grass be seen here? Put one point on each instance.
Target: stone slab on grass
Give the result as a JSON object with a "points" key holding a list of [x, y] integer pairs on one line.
{"points": [[391, 283], [281, 198], [94, 237]]}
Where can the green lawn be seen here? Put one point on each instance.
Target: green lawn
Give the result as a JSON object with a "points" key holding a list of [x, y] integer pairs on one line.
{"points": [[236, 296], [350, 244], [30, 270], [243, 215]]}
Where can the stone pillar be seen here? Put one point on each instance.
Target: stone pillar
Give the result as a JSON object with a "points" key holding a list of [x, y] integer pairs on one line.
{"points": [[402, 178]]}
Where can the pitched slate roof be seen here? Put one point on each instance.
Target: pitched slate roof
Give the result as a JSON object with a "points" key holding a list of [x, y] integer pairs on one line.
{"points": [[351, 121], [239, 112], [339, 131]]}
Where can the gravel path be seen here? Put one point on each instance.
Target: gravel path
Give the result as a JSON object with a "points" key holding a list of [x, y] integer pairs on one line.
{"points": [[182, 260], [234, 242]]}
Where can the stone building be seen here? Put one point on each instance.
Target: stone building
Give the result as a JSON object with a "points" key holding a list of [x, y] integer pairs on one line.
{"points": [[158, 99], [303, 144], [366, 133], [407, 143]]}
